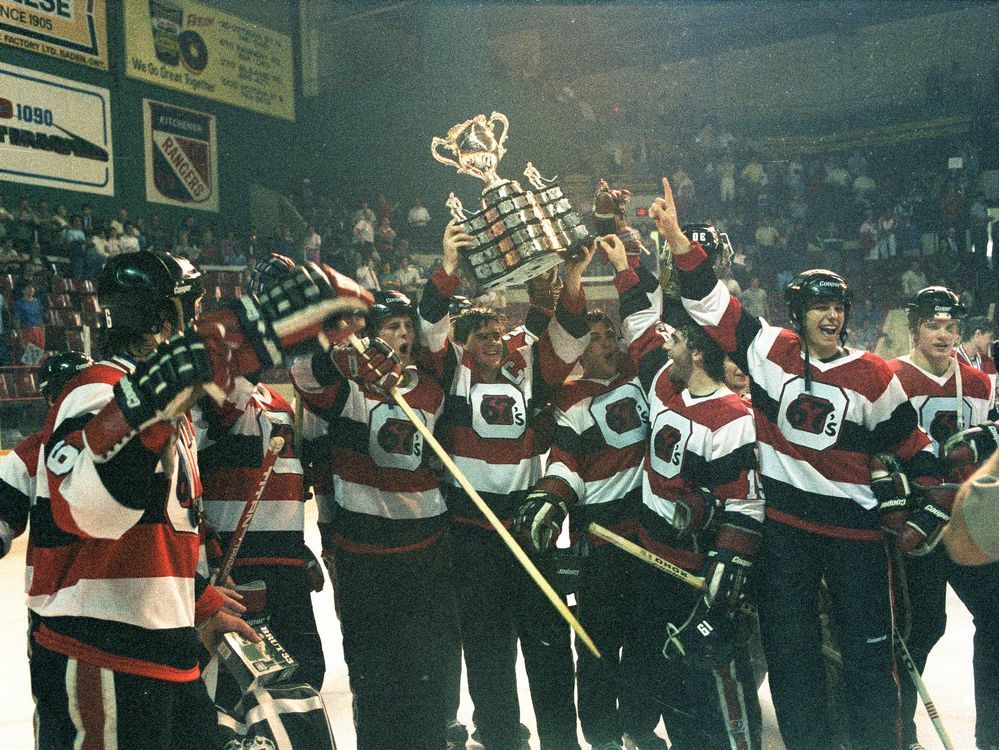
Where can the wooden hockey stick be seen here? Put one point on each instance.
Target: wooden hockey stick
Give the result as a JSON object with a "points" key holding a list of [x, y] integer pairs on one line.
{"points": [[274, 447], [925, 697], [495, 522]]}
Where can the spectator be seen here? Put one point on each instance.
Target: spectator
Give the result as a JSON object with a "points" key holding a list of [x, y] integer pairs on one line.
{"points": [[128, 242], [185, 246], [28, 319], [209, 251], [118, 223], [979, 218], [10, 258], [5, 215], [727, 181], [864, 189], [385, 238], [766, 235], [913, 280], [885, 242], [386, 209], [907, 237], [74, 241], [754, 299], [87, 218], [868, 236], [364, 233], [409, 278], [366, 275], [417, 219]]}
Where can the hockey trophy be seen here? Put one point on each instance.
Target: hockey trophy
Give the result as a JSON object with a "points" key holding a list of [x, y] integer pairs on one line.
{"points": [[519, 233]]}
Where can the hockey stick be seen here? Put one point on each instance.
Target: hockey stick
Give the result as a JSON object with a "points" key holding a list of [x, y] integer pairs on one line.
{"points": [[925, 697], [236, 541], [505, 535]]}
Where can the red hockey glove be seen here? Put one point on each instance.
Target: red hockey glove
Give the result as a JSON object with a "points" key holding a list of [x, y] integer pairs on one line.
{"points": [[965, 450], [160, 389], [694, 512], [377, 368], [539, 519], [891, 489], [931, 512]]}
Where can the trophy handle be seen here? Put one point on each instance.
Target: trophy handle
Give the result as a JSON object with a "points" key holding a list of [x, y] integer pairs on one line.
{"points": [[502, 119], [437, 143]]}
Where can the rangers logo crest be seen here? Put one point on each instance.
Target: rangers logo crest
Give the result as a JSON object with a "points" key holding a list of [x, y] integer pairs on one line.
{"points": [[181, 156]]}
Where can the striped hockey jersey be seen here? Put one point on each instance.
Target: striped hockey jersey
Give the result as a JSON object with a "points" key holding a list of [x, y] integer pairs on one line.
{"points": [[694, 442], [814, 445], [935, 398], [232, 441], [17, 488], [383, 495], [597, 452], [116, 545], [487, 429]]}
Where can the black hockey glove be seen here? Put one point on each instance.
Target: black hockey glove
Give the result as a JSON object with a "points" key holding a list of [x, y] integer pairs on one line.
{"points": [[160, 389], [892, 490], [965, 450], [728, 564], [705, 639], [539, 519]]}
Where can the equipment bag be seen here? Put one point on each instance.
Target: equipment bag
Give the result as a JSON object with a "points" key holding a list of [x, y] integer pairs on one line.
{"points": [[277, 717]]}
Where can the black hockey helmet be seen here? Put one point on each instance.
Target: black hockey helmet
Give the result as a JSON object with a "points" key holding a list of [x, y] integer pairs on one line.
{"points": [[58, 369], [716, 244], [388, 305], [138, 290], [937, 302], [269, 272], [816, 285]]}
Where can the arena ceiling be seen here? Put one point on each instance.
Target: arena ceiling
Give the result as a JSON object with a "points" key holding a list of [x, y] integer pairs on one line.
{"points": [[610, 35]]}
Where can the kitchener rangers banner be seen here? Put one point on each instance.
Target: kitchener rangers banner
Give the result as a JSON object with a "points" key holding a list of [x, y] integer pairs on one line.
{"points": [[200, 50], [54, 132], [72, 30], [182, 167]]}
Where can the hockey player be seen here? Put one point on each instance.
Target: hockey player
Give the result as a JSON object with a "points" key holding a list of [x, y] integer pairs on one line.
{"points": [[114, 651], [976, 349], [929, 377], [701, 511], [232, 442], [18, 468], [595, 471], [822, 412], [491, 390], [383, 525]]}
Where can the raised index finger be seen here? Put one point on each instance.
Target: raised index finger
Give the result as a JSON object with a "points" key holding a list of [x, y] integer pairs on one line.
{"points": [[667, 192]]}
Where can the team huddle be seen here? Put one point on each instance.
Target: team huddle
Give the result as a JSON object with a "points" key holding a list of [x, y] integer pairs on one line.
{"points": [[760, 468]]}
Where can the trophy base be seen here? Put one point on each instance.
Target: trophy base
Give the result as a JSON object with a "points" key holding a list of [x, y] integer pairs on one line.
{"points": [[526, 271]]}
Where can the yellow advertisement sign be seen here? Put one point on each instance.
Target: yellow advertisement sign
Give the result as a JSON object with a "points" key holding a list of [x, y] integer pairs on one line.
{"points": [[197, 49], [71, 30]]}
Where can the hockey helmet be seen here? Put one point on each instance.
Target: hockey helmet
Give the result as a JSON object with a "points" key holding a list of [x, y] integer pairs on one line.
{"points": [[816, 285], [269, 272], [388, 305], [716, 244], [137, 289], [937, 302], [58, 369]]}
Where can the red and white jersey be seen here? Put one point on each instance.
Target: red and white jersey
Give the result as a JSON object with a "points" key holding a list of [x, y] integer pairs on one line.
{"points": [[116, 544], [377, 457], [232, 442], [936, 398], [487, 426], [17, 484], [600, 438], [694, 441], [985, 364], [814, 444]]}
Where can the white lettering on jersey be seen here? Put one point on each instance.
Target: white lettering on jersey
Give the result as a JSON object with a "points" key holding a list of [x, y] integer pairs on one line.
{"points": [[62, 458], [621, 415], [498, 411], [393, 441], [811, 419], [668, 438]]}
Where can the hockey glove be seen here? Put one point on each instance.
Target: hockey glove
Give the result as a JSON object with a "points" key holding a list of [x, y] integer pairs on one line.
{"points": [[728, 564], [311, 304], [891, 489], [965, 450], [160, 389], [923, 527], [705, 639], [694, 512], [377, 368], [313, 571], [539, 519]]}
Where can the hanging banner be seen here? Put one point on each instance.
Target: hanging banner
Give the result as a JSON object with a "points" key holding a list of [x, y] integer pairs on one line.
{"points": [[55, 132], [182, 166], [200, 50], [72, 30]]}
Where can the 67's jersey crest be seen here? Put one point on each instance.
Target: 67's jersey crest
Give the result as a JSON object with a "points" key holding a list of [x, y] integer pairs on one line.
{"points": [[393, 441], [812, 419], [669, 437]]}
